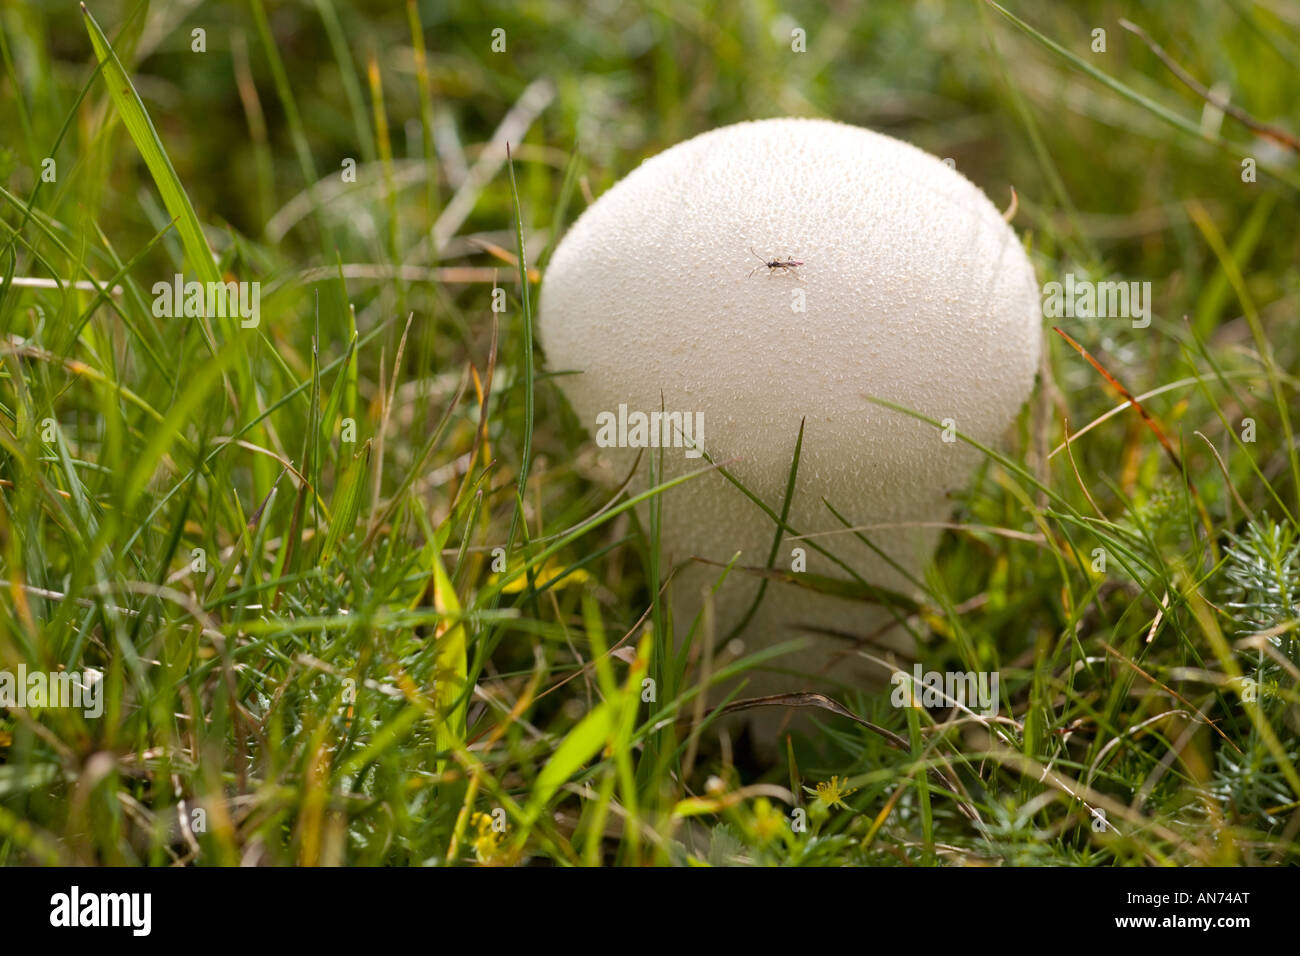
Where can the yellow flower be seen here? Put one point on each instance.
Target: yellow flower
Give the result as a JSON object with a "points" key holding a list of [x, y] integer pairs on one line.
{"points": [[768, 821], [545, 575], [489, 843], [831, 793]]}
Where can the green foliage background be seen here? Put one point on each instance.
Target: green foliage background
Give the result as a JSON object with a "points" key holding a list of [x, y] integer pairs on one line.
{"points": [[347, 681]]}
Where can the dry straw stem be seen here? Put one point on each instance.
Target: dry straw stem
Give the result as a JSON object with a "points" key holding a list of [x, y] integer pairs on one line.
{"points": [[1276, 134]]}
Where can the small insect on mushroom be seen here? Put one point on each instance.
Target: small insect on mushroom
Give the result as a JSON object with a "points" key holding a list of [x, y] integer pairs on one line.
{"points": [[787, 266]]}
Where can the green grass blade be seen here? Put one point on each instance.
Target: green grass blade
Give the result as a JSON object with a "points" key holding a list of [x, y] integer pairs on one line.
{"points": [[138, 124]]}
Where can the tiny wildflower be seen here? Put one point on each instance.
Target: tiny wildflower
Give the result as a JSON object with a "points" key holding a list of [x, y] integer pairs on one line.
{"points": [[550, 572], [768, 821], [488, 842], [831, 793]]}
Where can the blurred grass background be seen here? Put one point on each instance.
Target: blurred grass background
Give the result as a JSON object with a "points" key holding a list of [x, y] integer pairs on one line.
{"points": [[347, 680]]}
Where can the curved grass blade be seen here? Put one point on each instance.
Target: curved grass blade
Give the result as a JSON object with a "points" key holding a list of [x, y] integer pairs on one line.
{"points": [[137, 123]]}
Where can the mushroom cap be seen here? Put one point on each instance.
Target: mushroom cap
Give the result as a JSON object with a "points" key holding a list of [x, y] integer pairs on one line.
{"points": [[912, 289]]}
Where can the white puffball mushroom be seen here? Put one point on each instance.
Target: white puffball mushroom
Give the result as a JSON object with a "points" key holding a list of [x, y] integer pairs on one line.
{"points": [[912, 289]]}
